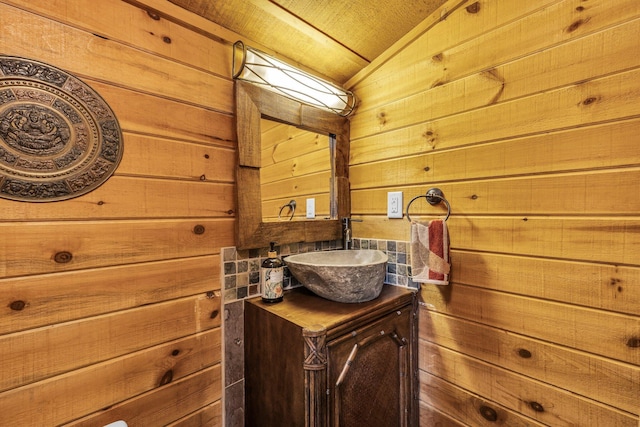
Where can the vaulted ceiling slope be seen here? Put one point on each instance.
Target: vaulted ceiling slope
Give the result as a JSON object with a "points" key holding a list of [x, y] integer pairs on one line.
{"points": [[335, 38]]}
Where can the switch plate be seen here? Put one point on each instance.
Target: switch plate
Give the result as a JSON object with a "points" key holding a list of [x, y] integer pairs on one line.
{"points": [[394, 204], [311, 208]]}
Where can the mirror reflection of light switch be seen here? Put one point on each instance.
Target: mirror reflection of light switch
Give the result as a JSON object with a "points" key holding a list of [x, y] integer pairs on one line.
{"points": [[311, 208]]}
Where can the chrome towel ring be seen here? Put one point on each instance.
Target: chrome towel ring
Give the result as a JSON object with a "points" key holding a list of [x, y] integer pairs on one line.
{"points": [[434, 196]]}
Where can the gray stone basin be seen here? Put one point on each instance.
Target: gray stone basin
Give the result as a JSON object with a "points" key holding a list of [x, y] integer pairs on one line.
{"points": [[343, 276]]}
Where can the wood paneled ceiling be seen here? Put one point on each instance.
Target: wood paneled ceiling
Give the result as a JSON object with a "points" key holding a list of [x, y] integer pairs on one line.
{"points": [[335, 38]]}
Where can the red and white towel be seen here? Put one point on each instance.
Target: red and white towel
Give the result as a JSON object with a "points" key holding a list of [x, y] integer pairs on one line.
{"points": [[430, 252]]}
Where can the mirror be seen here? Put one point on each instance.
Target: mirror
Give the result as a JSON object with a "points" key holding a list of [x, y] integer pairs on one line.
{"points": [[295, 168], [252, 105]]}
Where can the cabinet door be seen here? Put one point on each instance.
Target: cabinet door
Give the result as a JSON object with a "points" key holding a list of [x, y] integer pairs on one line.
{"points": [[370, 374]]}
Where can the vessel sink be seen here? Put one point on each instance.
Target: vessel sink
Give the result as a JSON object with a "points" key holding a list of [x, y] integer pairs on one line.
{"points": [[348, 276]]}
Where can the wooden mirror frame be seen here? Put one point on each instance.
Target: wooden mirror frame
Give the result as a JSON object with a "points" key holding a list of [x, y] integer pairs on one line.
{"points": [[252, 104]]}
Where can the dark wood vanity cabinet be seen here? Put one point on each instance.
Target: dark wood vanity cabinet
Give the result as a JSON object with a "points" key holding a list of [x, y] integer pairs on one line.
{"points": [[314, 362]]}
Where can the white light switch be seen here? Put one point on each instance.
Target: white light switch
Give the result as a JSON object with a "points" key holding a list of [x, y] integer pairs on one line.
{"points": [[394, 204], [311, 208]]}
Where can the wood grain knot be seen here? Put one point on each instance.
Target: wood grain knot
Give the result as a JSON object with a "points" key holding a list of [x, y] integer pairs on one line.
{"points": [[211, 294], [198, 229], [474, 197], [382, 117], [488, 413], [166, 378], [589, 100], [429, 136], [524, 353], [634, 342], [203, 177], [175, 352], [153, 15], [473, 8], [166, 39], [574, 26], [427, 168], [17, 305], [206, 156], [214, 314], [63, 257], [536, 406]]}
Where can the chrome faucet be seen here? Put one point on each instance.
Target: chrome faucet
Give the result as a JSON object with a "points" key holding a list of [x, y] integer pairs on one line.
{"points": [[347, 240]]}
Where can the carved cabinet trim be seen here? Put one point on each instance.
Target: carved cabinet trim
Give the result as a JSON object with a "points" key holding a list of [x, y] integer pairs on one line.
{"points": [[315, 367]]}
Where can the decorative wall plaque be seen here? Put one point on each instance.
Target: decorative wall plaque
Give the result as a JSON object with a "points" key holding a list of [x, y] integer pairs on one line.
{"points": [[58, 138]]}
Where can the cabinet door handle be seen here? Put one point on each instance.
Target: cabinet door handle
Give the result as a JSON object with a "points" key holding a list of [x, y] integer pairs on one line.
{"points": [[347, 365]]}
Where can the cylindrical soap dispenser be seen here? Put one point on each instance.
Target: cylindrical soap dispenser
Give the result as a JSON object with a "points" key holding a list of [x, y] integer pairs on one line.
{"points": [[272, 277]]}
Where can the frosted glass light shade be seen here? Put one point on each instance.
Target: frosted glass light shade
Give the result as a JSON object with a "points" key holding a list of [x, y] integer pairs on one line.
{"points": [[259, 68]]}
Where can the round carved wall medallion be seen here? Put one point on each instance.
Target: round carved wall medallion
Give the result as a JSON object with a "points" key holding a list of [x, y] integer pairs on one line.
{"points": [[58, 138]]}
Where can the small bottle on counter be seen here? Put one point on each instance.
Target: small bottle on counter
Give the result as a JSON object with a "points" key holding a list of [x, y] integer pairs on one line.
{"points": [[272, 277]]}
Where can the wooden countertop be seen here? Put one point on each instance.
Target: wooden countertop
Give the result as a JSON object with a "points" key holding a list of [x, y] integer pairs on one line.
{"points": [[311, 312]]}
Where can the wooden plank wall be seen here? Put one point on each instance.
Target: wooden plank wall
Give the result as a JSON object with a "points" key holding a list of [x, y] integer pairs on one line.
{"points": [[295, 165], [527, 116], [130, 328]]}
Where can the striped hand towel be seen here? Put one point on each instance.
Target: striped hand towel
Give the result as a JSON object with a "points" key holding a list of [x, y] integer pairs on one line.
{"points": [[430, 252]]}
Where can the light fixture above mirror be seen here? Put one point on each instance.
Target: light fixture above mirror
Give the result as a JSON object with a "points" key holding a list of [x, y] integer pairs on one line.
{"points": [[259, 68]]}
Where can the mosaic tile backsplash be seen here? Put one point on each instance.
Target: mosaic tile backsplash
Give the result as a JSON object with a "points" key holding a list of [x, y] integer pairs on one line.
{"points": [[241, 268]]}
